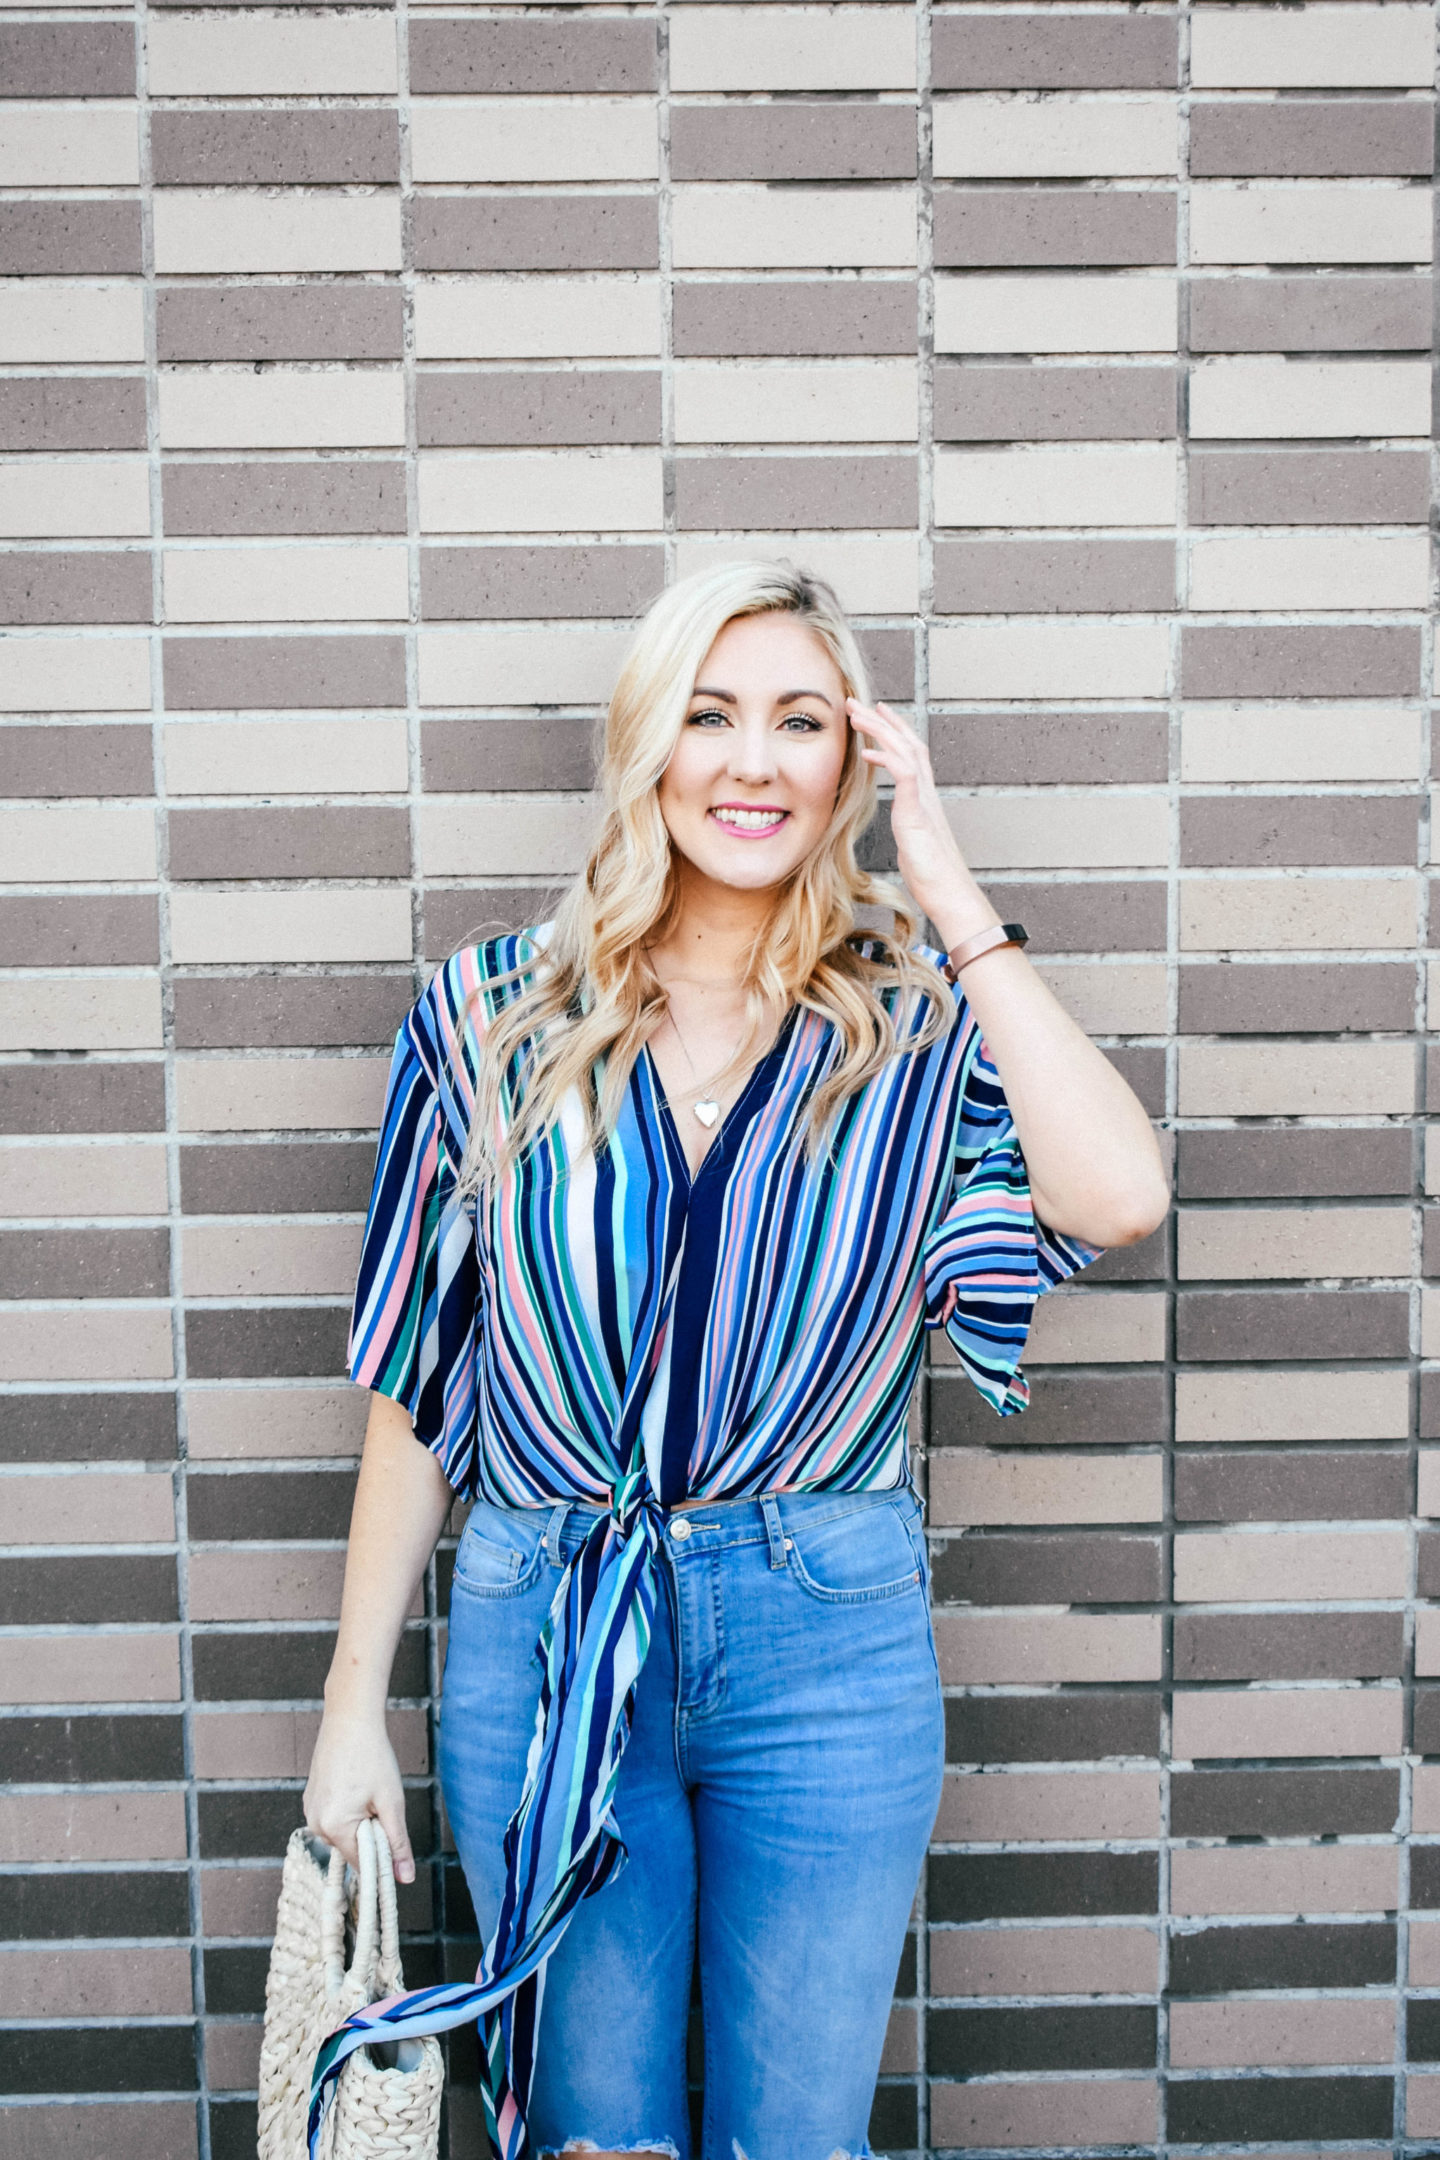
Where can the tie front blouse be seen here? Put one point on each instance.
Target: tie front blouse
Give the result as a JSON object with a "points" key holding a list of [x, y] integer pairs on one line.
{"points": [[608, 1328]]}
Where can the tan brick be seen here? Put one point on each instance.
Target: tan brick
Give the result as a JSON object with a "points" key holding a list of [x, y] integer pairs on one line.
{"points": [[107, 1507], [283, 409], [1237, 743], [86, 1342], [279, 1743], [970, 1485], [290, 1583], [245, 1423], [122, 2130], [1090, 1327], [95, 1667], [509, 138], [791, 48], [1305, 570], [1053, 659], [1114, 998], [317, 583], [45, 498], [279, 1094], [343, 923], [1135, 311], [1295, 1079], [76, 673], [95, 1982], [518, 667], [1427, 1639], [1335, 222], [1036, 484], [737, 227], [96, 144], [238, 1901], [1424, 1953], [1428, 1497], [90, 1177], [1278, 1722], [838, 401], [998, 1807], [989, 1648], [1043, 1960], [1115, 2111], [1211, 2035], [285, 757], [232, 2054], [215, 232], [878, 575], [1422, 2106], [126, 1825], [611, 316], [1284, 1879], [269, 1260], [543, 835], [1426, 1799], [544, 491], [1316, 47], [53, 843], [350, 55], [1054, 830], [64, 323], [1298, 1405], [1253, 1244], [1270, 1565], [1305, 913], [1289, 398], [1062, 136]]}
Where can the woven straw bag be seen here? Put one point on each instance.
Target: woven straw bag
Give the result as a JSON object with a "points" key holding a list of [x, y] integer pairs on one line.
{"points": [[384, 2109]]}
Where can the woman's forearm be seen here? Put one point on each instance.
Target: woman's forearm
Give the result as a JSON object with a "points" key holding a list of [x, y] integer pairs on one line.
{"points": [[401, 1501], [1094, 1164]]}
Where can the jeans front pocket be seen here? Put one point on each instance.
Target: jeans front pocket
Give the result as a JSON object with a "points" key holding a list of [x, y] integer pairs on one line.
{"points": [[856, 1556], [500, 1551]]}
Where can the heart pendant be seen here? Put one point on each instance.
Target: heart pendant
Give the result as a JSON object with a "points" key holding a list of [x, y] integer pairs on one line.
{"points": [[707, 1112]]}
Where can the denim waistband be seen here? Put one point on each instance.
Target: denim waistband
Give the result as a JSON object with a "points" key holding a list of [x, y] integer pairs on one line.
{"points": [[713, 1525]]}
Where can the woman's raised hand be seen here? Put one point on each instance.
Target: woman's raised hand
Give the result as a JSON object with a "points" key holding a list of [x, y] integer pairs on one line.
{"points": [[353, 1773], [934, 869]]}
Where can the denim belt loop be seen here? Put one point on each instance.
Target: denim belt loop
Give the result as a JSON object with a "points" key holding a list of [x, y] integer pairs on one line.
{"points": [[774, 1531], [555, 1531]]}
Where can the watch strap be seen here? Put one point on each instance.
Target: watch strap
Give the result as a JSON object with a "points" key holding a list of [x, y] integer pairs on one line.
{"points": [[998, 934]]}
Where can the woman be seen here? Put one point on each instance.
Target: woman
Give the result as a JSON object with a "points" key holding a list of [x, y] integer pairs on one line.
{"points": [[668, 1192]]}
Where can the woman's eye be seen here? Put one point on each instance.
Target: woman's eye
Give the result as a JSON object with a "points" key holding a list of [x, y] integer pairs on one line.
{"points": [[698, 719], [809, 725]]}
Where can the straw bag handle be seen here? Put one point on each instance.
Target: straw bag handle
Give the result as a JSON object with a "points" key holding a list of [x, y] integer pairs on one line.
{"points": [[371, 1976]]}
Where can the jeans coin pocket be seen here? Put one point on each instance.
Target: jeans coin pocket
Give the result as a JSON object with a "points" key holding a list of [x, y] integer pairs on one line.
{"points": [[500, 1552], [855, 1557]]}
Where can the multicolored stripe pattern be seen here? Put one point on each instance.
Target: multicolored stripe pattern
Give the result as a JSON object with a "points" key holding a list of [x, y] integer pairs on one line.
{"points": [[608, 1328]]}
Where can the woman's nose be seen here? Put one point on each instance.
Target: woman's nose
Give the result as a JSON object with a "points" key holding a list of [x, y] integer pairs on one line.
{"points": [[752, 755]]}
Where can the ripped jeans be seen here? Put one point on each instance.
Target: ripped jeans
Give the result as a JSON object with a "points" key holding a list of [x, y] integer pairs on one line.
{"points": [[776, 1797]]}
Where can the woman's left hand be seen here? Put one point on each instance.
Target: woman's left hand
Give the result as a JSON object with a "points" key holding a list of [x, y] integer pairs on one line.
{"points": [[931, 863]]}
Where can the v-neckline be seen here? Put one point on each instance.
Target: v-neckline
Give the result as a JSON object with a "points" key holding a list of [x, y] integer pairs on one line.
{"points": [[762, 1064]]}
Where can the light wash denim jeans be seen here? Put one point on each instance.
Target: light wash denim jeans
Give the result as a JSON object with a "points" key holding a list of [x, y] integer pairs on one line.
{"points": [[776, 1796]]}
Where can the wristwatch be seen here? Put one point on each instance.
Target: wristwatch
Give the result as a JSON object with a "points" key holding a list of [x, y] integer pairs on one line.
{"points": [[1008, 933]]}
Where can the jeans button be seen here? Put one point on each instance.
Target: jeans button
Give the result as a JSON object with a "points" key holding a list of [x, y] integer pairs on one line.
{"points": [[680, 1531]]}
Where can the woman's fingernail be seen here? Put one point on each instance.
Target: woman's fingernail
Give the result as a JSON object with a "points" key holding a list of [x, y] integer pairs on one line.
{"points": [[407, 1872]]}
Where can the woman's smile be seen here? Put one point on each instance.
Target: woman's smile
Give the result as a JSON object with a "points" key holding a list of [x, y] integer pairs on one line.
{"points": [[749, 821]]}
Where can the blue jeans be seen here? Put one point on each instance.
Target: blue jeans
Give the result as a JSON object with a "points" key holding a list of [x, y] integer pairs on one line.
{"points": [[776, 1797]]}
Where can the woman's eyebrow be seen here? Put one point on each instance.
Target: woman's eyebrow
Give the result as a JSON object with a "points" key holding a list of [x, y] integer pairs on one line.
{"points": [[787, 697], [726, 697]]}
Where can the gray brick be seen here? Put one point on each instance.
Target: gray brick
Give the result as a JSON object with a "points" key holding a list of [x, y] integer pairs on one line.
{"points": [[1337, 137], [538, 405], [775, 493], [980, 749], [1018, 401], [536, 232], [789, 141], [279, 322], [1309, 487], [989, 227], [95, 585], [460, 583], [1218, 660], [1053, 50], [536, 57], [216, 674], [215, 147], [1233, 830], [67, 59], [69, 238], [795, 317], [1311, 314], [1045, 577], [328, 495]]}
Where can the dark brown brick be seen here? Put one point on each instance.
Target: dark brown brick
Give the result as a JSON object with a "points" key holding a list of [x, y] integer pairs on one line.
{"points": [[1219, 660], [536, 232], [276, 1177], [817, 140], [289, 1665], [280, 322], [1291, 1324], [1148, 1260], [66, 930], [1425, 1730], [218, 148], [1283, 1803], [1310, 314], [51, 1905], [1080, 1727], [84, 1098], [71, 238], [463, 915], [1093, 915], [67, 59], [494, 55], [1080, 2036], [109, 1263], [1047, 577], [1425, 1876], [1291, 1485], [992, 749], [766, 493], [235, 1979], [1272, 830], [72, 412], [1199, 2111], [1315, 1953], [978, 228], [273, 1341], [328, 495], [326, 841], [129, 2058], [1309, 997], [461, 584], [890, 657], [1308, 487], [298, 1504], [1289, 1646], [87, 1589], [536, 406], [240, 1824], [87, 1428], [1064, 1410], [1079, 1567], [1054, 50], [795, 317], [548, 751], [1041, 1886], [220, 674], [1142, 1069], [221, 1012], [1022, 401], [1276, 1162], [1292, 137], [83, 1750], [84, 585]]}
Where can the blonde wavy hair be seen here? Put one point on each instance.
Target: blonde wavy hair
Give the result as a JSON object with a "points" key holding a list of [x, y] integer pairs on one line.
{"points": [[594, 999]]}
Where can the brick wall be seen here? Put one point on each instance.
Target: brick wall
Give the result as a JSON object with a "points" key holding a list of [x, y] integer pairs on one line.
{"points": [[370, 369]]}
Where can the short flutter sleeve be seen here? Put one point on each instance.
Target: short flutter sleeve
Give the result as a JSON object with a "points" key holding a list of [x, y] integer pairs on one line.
{"points": [[987, 1258], [416, 1312]]}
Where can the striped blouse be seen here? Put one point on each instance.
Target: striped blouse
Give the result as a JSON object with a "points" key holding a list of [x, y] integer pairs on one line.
{"points": [[609, 1328]]}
